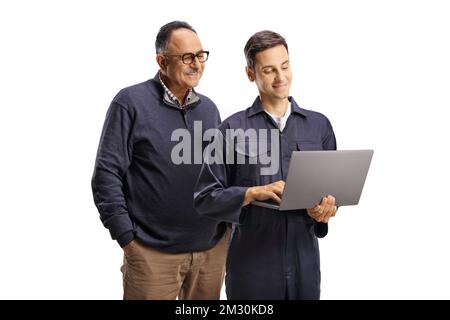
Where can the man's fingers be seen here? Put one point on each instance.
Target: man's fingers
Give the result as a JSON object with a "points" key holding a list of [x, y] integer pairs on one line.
{"points": [[278, 187], [330, 212], [320, 218], [278, 190], [328, 200], [281, 183], [320, 213], [325, 210], [329, 208], [314, 212], [331, 200], [275, 197], [328, 215], [321, 209]]}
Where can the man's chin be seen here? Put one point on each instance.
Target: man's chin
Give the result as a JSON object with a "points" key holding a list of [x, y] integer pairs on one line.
{"points": [[192, 84], [281, 96]]}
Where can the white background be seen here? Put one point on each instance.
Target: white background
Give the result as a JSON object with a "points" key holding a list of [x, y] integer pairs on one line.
{"points": [[380, 70]]}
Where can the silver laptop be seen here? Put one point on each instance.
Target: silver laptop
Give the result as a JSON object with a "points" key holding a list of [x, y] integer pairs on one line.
{"points": [[315, 174]]}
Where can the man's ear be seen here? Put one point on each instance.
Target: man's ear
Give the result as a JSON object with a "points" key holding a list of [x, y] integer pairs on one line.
{"points": [[250, 74], [161, 61]]}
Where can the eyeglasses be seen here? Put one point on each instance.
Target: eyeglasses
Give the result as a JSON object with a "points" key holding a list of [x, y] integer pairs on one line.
{"points": [[189, 57]]}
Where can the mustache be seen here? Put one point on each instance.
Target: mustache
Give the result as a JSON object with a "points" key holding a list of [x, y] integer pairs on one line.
{"points": [[192, 70]]}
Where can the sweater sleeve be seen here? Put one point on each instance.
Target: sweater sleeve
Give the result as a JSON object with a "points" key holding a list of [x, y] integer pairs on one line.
{"points": [[113, 159]]}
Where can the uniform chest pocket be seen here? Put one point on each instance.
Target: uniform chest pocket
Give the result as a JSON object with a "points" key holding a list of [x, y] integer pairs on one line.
{"points": [[305, 146]]}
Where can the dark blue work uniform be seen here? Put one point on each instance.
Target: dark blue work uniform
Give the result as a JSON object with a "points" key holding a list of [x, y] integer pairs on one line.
{"points": [[272, 254]]}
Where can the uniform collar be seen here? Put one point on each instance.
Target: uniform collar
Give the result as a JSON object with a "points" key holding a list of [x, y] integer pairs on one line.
{"points": [[258, 108]]}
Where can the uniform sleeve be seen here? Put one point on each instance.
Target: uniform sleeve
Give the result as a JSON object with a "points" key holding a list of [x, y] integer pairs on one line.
{"points": [[214, 196], [328, 143], [112, 162], [329, 140]]}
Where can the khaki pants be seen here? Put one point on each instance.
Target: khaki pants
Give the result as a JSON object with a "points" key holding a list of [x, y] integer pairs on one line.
{"points": [[155, 275]]}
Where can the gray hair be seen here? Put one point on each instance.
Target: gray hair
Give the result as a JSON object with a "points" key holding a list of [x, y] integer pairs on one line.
{"points": [[163, 36]]}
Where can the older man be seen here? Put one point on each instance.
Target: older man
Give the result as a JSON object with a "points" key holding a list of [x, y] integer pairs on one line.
{"points": [[273, 254], [145, 197]]}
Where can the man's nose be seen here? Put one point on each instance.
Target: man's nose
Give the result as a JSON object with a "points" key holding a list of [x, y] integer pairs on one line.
{"points": [[196, 63]]}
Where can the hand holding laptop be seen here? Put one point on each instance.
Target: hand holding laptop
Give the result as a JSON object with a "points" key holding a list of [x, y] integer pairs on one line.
{"points": [[323, 211]]}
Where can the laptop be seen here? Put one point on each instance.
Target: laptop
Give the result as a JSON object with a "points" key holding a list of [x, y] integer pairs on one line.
{"points": [[315, 174]]}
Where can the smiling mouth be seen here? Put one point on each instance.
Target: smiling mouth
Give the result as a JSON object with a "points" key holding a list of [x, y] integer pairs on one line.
{"points": [[192, 73], [280, 85]]}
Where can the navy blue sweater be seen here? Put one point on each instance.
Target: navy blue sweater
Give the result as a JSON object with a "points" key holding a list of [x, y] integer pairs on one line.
{"points": [[140, 193]]}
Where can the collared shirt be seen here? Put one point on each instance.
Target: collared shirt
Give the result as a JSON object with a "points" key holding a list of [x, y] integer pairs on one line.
{"points": [[281, 121], [272, 254], [170, 97]]}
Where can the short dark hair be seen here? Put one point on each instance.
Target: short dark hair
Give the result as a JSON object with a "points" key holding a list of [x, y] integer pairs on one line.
{"points": [[261, 41], [163, 36]]}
